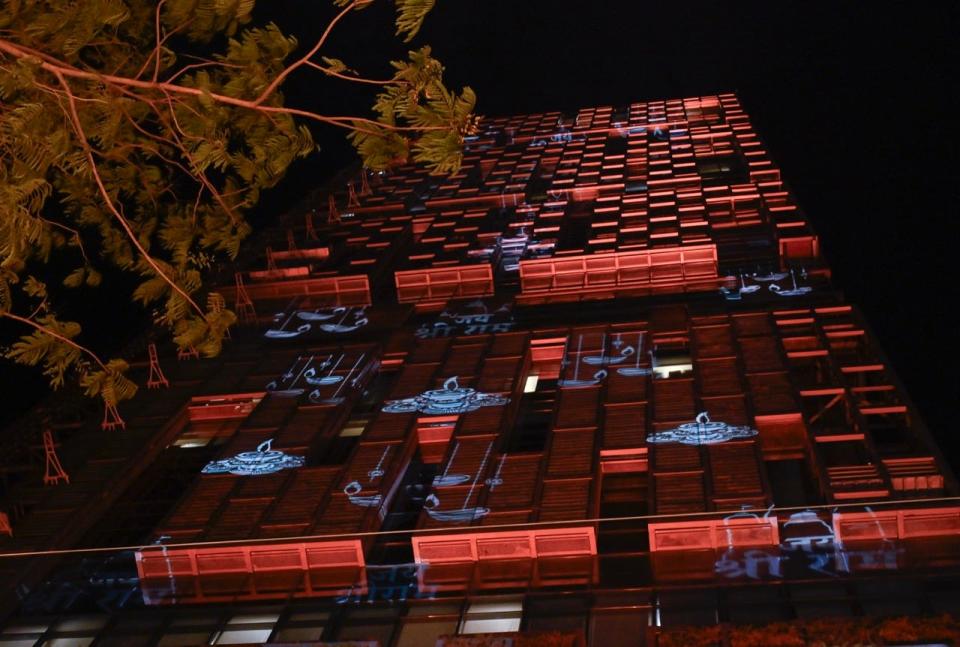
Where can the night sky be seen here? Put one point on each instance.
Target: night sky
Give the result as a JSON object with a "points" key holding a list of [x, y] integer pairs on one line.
{"points": [[856, 103]]}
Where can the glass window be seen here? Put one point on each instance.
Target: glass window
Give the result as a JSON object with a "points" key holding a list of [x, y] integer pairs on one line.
{"points": [[242, 636], [184, 640], [300, 633], [80, 623], [415, 634], [492, 616], [304, 625], [25, 629], [247, 628]]}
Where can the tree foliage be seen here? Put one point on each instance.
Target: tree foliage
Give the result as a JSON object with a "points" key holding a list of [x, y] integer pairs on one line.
{"points": [[122, 151]]}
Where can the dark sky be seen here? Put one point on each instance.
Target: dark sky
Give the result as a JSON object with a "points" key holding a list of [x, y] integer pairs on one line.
{"points": [[856, 102]]}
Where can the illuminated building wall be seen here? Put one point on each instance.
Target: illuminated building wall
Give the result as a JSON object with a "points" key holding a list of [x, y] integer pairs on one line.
{"points": [[597, 382]]}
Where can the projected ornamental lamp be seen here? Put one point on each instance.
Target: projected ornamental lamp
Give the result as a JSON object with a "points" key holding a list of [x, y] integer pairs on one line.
{"points": [[702, 431], [256, 463], [451, 399]]}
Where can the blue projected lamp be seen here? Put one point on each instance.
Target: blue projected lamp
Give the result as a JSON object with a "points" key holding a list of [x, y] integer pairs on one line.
{"points": [[451, 399], [702, 431], [256, 463]]}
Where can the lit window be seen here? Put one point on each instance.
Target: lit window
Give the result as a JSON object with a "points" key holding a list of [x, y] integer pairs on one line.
{"points": [[530, 385], [80, 623], [242, 636], [21, 635], [671, 361], [25, 629], [355, 426], [247, 628], [491, 616]]}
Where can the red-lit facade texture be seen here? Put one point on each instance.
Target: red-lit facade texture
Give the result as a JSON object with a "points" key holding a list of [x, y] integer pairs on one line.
{"points": [[594, 389]]}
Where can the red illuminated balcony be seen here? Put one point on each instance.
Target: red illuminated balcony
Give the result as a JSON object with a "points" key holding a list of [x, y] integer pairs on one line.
{"points": [[629, 273], [543, 556], [444, 283], [713, 534], [250, 572]]}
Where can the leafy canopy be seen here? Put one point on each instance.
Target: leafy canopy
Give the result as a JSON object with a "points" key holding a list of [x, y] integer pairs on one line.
{"points": [[123, 151]]}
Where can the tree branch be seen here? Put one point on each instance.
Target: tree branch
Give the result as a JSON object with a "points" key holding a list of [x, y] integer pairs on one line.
{"points": [[346, 77], [75, 118], [346, 122], [270, 89], [46, 331]]}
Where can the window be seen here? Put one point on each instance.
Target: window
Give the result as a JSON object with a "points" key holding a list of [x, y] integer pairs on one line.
{"points": [[425, 623], [247, 628], [307, 625], [530, 385], [24, 635], [671, 360], [491, 616]]}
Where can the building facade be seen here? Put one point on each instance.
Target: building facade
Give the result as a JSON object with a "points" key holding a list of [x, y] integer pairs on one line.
{"points": [[594, 389]]}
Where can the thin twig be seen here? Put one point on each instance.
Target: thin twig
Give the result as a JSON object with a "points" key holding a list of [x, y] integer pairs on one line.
{"points": [[346, 77], [270, 89], [347, 122], [75, 118], [55, 335]]}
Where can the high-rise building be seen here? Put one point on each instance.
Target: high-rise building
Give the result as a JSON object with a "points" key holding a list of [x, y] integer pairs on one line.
{"points": [[594, 389]]}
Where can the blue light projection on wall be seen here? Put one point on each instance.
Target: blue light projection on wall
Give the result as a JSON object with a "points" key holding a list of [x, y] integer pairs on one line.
{"points": [[792, 291], [810, 546], [339, 320], [575, 380], [769, 280], [465, 512], [473, 318], [256, 463], [702, 431], [317, 371], [451, 399], [635, 370], [354, 488]]}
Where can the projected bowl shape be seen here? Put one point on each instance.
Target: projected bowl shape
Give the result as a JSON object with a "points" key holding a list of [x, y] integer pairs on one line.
{"points": [[702, 431], [256, 463], [451, 399]]}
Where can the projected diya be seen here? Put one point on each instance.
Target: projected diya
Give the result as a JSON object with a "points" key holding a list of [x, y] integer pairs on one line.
{"points": [[451, 399], [256, 463], [702, 431]]}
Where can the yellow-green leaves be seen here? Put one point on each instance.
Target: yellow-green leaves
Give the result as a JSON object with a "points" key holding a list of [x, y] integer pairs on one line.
{"points": [[418, 117], [119, 155], [49, 350], [205, 19], [410, 16], [6, 295], [110, 383], [83, 276]]}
